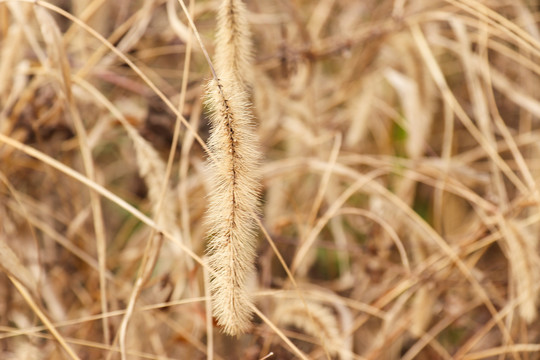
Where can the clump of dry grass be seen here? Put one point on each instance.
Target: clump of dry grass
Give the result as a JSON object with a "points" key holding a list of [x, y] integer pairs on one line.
{"points": [[400, 175]]}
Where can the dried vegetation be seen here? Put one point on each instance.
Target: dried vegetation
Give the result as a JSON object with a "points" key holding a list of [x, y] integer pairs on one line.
{"points": [[394, 212]]}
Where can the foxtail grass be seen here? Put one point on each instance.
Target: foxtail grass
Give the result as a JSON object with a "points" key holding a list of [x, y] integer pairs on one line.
{"points": [[234, 163]]}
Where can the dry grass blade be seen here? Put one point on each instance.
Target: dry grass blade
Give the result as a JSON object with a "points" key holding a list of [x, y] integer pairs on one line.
{"points": [[285, 339], [58, 58], [151, 254], [502, 350], [524, 263], [153, 170], [96, 187], [24, 292], [9, 56], [13, 267]]}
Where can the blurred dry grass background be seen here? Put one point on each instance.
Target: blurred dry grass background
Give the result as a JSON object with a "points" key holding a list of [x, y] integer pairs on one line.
{"points": [[400, 209]]}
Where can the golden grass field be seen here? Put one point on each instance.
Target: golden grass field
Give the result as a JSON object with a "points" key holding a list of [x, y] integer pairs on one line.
{"points": [[296, 179]]}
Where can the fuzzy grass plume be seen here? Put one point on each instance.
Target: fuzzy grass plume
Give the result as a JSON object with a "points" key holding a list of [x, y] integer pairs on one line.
{"points": [[233, 43], [233, 202], [315, 320], [234, 162]]}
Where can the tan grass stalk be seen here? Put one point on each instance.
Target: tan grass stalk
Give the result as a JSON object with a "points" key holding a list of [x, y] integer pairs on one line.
{"points": [[21, 14], [58, 58], [424, 298], [162, 198], [30, 151], [48, 324], [321, 14], [148, 263], [524, 261], [155, 173], [234, 175], [280, 333], [9, 56], [11, 265], [152, 169], [180, 29]]}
